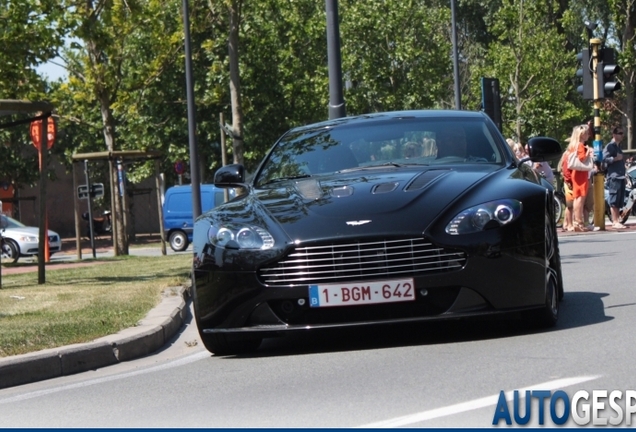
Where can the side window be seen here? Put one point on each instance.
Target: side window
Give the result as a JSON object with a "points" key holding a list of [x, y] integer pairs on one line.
{"points": [[219, 198]]}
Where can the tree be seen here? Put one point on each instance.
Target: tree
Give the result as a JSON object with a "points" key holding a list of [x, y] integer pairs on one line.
{"points": [[30, 34], [122, 47], [623, 14], [535, 74], [396, 55]]}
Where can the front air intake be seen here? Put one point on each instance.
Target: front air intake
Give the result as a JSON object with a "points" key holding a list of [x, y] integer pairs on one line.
{"points": [[371, 260]]}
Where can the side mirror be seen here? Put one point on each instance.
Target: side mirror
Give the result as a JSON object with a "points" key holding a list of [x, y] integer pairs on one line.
{"points": [[543, 149], [4, 222], [230, 176]]}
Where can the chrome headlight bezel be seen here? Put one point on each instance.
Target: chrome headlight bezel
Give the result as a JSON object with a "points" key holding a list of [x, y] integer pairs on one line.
{"points": [[482, 217], [240, 236]]}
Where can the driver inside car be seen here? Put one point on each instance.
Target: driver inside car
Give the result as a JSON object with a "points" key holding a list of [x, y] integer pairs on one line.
{"points": [[451, 142]]}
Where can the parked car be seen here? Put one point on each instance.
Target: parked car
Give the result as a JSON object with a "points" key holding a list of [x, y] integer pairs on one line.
{"points": [[377, 219], [19, 240], [177, 212]]}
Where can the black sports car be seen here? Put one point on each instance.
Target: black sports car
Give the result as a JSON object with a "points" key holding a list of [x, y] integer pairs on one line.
{"points": [[380, 218]]}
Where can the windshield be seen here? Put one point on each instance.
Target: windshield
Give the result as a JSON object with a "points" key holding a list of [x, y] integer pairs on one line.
{"points": [[7, 222], [394, 142]]}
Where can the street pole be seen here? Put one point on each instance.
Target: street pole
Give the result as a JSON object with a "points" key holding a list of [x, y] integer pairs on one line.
{"points": [[91, 230], [336, 98], [194, 159], [599, 177], [458, 96]]}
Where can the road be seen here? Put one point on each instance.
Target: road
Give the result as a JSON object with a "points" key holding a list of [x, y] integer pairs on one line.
{"points": [[433, 375]]}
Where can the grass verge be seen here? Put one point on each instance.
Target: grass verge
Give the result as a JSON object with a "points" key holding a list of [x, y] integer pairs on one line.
{"points": [[81, 304]]}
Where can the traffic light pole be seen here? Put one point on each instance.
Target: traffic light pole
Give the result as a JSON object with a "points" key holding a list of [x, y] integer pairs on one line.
{"points": [[599, 177]]}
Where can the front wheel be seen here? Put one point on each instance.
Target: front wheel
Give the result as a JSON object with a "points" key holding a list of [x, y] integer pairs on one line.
{"points": [[10, 252], [559, 209], [222, 345], [548, 315], [178, 241]]}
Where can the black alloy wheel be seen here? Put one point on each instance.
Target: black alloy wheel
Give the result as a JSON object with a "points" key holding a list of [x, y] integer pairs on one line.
{"points": [[559, 208], [548, 315]]}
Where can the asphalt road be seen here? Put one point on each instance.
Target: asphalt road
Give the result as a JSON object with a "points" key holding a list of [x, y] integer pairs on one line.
{"points": [[434, 375]]}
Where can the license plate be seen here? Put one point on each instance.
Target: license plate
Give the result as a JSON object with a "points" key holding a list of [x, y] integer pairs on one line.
{"points": [[325, 295]]}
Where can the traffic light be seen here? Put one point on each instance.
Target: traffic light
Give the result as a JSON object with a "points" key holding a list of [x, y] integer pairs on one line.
{"points": [[585, 72], [607, 69], [491, 99]]}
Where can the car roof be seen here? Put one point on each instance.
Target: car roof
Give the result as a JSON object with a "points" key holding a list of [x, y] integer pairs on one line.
{"points": [[372, 117]]}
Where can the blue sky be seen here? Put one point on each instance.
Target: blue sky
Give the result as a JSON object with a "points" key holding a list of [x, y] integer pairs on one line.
{"points": [[52, 71]]}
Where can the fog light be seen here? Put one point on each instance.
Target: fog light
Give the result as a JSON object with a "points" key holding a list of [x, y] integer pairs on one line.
{"points": [[287, 307]]}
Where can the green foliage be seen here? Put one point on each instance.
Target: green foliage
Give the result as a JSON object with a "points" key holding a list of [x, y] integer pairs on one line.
{"points": [[30, 34], [126, 68], [84, 303], [535, 76], [395, 55]]}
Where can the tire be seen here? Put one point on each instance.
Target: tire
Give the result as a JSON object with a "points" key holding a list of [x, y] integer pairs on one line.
{"points": [[10, 251], [548, 315], [178, 241], [222, 344], [559, 209]]}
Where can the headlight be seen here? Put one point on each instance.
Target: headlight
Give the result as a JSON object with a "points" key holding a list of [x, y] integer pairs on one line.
{"points": [[485, 216], [235, 236], [28, 239]]}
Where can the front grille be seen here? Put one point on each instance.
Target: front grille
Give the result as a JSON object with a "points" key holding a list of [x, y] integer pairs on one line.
{"points": [[361, 260]]}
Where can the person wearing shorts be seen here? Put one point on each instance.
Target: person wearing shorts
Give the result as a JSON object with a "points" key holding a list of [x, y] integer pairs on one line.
{"points": [[615, 176], [568, 224]]}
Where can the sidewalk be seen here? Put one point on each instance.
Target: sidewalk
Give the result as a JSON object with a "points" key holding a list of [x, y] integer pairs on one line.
{"points": [[105, 243], [630, 226], [150, 335], [67, 258]]}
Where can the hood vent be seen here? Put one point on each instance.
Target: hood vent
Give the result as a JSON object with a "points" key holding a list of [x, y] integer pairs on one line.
{"points": [[341, 191], [425, 178], [384, 188]]}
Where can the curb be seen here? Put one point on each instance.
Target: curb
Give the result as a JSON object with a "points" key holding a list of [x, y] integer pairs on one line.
{"points": [[151, 333], [630, 226]]}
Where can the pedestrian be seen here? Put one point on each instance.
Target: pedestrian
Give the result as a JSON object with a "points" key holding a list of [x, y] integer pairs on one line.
{"points": [[580, 179], [615, 176], [566, 174], [542, 168], [511, 143], [588, 205]]}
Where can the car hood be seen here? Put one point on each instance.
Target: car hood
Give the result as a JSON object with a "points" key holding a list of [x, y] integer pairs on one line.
{"points": [[397, 202], [25, 231]]}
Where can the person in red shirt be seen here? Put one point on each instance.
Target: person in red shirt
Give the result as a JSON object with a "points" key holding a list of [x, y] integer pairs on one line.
{"points": [[567, 191], [580, 179]]}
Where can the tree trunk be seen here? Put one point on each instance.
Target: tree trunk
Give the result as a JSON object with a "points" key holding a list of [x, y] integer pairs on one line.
{"points": [[120, 240], [120, 243], [235, 83]]}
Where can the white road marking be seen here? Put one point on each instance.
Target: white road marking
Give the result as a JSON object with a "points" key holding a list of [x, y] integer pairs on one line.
{"points": [[180, 362], [474, 404]]}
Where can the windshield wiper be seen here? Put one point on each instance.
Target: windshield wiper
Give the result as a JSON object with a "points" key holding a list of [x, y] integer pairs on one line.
{"points": [[280, 179]]}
